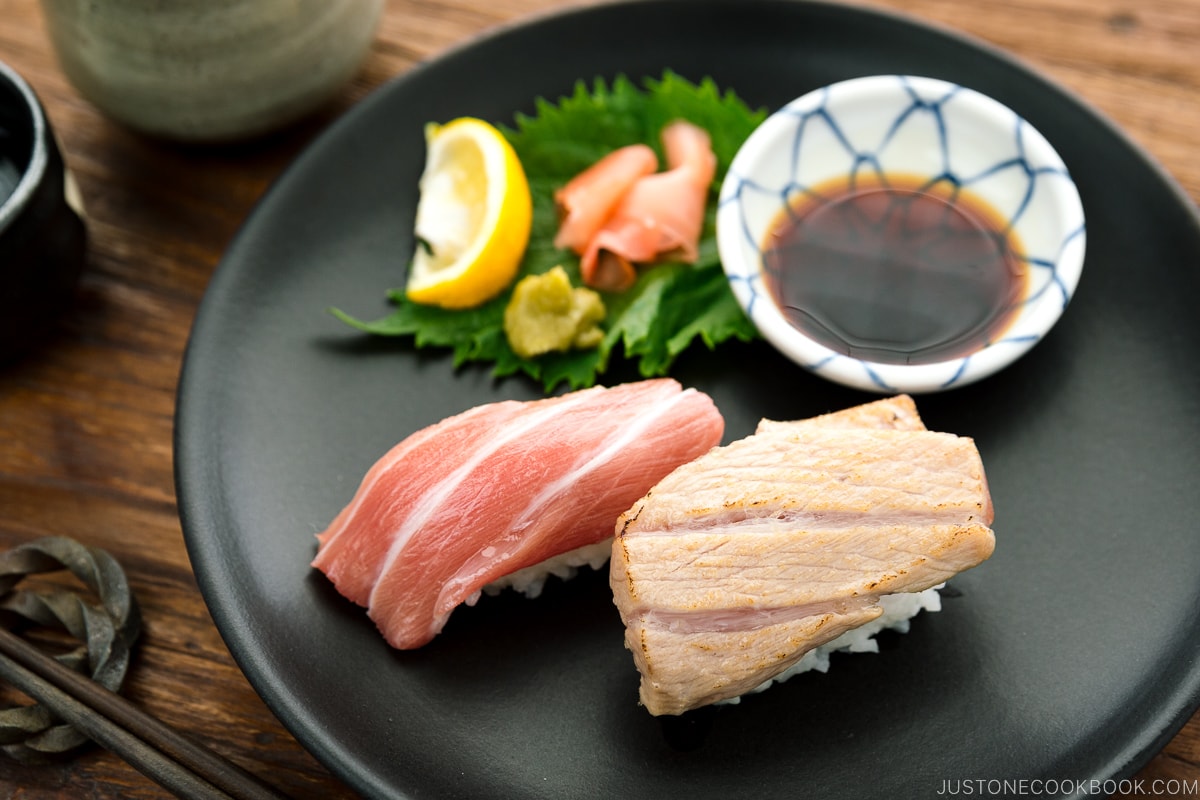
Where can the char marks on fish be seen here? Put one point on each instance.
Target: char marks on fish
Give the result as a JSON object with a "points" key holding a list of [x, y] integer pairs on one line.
{"points": [[738, 563]]}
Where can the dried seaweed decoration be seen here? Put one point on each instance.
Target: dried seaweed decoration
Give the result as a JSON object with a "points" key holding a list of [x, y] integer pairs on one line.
{"points": [[105, 633]]}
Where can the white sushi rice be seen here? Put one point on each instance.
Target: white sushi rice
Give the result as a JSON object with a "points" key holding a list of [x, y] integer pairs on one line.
{"points": [[898, 609], [530, 580]]}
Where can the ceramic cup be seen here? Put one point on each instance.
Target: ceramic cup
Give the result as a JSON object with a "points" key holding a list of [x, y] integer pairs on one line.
{"points": [[210, 70], [43, 241]]}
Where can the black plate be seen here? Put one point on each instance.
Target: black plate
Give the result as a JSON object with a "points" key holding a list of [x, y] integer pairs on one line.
{"points": [[1073, 654]]}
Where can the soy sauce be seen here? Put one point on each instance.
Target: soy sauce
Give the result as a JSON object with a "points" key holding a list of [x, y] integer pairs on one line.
{"points": [[894, 270]]}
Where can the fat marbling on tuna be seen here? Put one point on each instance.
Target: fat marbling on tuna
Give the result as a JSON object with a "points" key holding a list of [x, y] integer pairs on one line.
{"points": [[502, 487], [736, 564]]}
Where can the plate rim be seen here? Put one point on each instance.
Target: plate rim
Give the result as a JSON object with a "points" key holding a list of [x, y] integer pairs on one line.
{"points": [[198, 518]]}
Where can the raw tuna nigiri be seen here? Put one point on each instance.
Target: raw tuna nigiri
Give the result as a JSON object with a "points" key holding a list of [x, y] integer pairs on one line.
{"points": [[661, 214], [588, 200], [500, 488]]}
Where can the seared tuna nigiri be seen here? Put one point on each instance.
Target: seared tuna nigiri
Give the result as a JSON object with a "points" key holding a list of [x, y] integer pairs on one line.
{"points": [[500, 488], [737, 564]]}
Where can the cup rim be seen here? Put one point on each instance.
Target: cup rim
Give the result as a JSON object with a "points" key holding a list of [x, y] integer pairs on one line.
{"points": [[741, 255], [33, 174]]}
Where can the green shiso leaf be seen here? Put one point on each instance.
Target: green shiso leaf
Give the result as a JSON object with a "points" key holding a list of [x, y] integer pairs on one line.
{"points": [[671, 306]]}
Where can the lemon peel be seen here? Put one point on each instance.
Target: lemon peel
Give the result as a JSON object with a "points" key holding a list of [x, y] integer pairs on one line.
{"points": [[473, 216]]}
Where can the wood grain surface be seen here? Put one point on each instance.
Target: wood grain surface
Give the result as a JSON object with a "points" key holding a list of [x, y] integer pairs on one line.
{"points": [[86, 420]]}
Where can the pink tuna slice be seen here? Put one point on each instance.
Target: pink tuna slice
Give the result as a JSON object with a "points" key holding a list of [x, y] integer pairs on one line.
{"points": [[353, 560], [503, 487], [588, 200], [661, 215]]}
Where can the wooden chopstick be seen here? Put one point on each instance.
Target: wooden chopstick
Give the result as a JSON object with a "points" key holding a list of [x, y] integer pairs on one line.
{"points": [[154, 749]]}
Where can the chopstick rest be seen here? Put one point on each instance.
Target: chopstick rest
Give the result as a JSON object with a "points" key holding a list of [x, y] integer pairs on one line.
{"points": [[105, 631], [73, 708]]}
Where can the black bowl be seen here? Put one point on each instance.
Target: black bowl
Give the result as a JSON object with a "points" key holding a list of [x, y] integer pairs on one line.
{"points": [[43, 240]]}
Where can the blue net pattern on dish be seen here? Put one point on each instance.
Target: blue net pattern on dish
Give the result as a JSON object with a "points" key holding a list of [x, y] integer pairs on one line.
{"points": [[918, 110]]}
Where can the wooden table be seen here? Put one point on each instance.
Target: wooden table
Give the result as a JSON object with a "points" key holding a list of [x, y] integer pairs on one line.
{"points": [[86, 421]]}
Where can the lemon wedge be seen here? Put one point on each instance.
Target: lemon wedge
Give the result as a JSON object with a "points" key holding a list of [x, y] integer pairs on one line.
{"points": [[473, 216]]}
